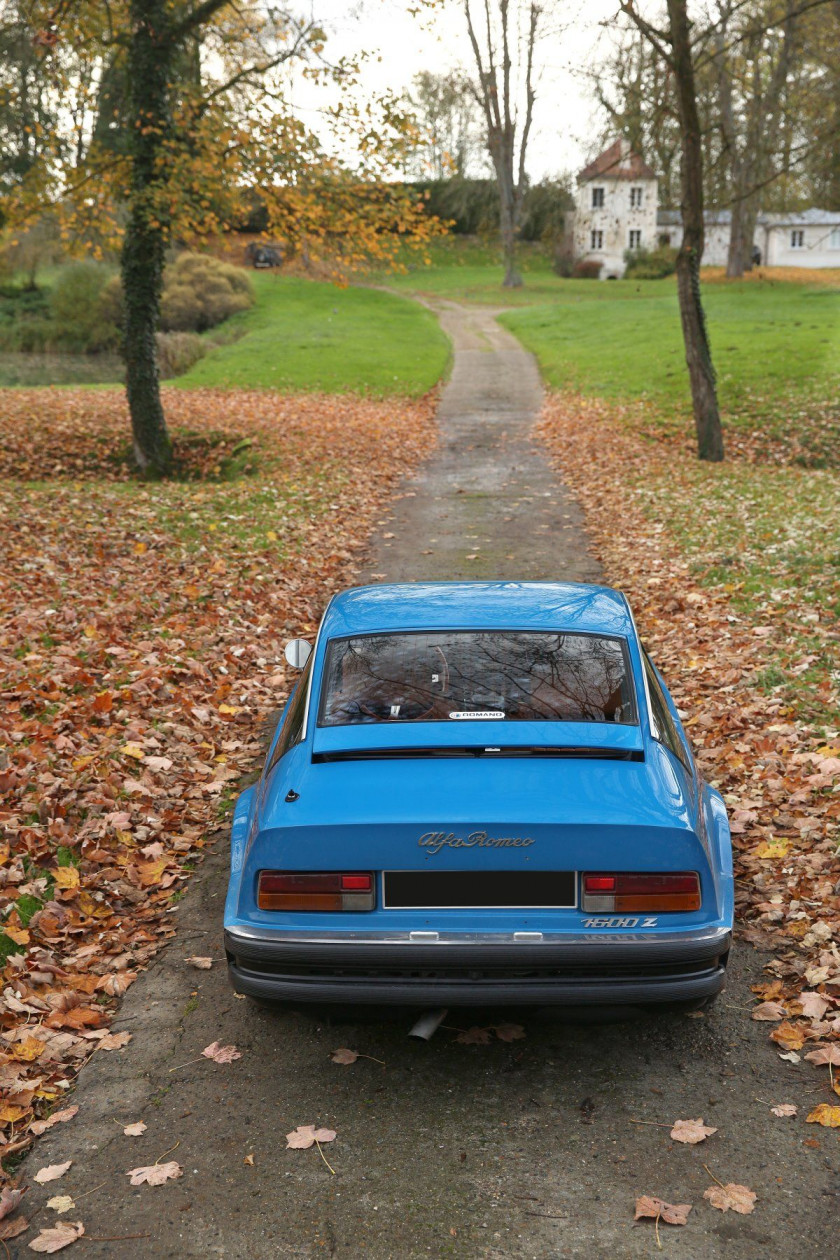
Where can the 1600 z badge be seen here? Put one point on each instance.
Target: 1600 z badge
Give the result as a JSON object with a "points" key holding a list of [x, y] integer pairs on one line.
{"points": [[617, 922]]}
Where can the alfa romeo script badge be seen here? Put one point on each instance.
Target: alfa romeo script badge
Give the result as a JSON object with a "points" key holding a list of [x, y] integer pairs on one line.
{"points": [[434, 841]]}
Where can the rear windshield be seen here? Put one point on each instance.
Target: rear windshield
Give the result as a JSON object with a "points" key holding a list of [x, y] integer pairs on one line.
{"points": [[462, 675]]}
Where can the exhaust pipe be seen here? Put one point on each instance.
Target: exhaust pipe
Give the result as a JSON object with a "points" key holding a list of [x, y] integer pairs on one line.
{"points": [[428, 1024]]}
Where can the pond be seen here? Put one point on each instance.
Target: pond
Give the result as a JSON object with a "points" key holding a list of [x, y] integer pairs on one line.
{"points": [[60, 369]]}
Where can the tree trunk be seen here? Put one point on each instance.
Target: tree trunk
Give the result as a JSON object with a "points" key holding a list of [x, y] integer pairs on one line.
{"points": [[507, 231], [698, 354], [739, 256], [146, 231]]}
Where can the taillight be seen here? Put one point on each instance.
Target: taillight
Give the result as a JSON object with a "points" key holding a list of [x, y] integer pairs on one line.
{"points": [[639, 893], [315, 890]]}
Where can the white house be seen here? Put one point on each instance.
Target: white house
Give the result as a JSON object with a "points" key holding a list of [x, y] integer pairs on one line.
{"points": [[617, 211], [616, 208]]}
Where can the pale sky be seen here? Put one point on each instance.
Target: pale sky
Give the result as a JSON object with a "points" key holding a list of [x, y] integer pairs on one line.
{"points": [[565, 121]]}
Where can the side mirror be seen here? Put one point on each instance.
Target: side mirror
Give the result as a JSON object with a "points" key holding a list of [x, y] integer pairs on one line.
{"points": [[297, 652]]}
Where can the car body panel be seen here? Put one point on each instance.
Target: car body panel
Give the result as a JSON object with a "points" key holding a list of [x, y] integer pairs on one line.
{"points": [[570, 796]]}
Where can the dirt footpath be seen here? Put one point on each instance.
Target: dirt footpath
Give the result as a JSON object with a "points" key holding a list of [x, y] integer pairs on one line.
{"points": [[534, 1148]]}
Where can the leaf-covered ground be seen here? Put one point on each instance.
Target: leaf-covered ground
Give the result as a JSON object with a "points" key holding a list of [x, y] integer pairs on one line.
{"points": [[141, 647], [733, 572]]}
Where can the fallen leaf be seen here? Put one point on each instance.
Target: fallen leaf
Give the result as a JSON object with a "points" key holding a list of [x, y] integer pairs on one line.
{"points": [[9, 1200], [306, 1135], [30, 1049], [249, 1160], [11, 1228], [474, 1037], [788, 1036], [825, 1054], [769, 1011], [670, 1213], [731, 1197], [61, 1203], [58, 1236], [200, 964], [135, 1130], [10, 1114], [155, 1174], [826, 1115], [133, 750], [784, 1109], [58, 1117], [221, 1054], [509, 1032], [343, 1055], [772, 849], [52, 1172], [158, 764], [691, 1131], [792, 1057], [114, 1041], [66, 877], [813, 1005]]}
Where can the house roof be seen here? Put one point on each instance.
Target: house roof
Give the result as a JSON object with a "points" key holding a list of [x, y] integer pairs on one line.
{"points": [[617, 162], [812, 217]]}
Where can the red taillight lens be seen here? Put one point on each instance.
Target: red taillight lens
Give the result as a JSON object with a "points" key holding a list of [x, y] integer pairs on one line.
{"points": [[315, 890], [599, 883], [639, 893]]}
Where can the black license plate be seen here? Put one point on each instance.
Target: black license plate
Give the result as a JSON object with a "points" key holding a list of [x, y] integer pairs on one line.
{"points": [[479, 890]]}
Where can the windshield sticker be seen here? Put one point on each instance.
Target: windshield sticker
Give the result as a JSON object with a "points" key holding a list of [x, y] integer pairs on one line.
{"points": [[476, 713]]}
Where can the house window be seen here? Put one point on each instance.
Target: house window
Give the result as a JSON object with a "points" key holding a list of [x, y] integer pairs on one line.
{"points": [[635, 238], [834, 238], [597, 198], [597, 239], [797, 239], [636, 195]]}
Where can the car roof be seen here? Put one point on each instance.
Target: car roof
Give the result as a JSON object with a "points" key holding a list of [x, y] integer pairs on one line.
{"points": [[502, 605]]}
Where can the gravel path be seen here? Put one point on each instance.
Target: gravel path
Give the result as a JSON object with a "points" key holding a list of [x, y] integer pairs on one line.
{"points": [[527, 1149]]}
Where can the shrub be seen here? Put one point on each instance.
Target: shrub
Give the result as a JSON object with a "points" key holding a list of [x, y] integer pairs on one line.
{"points": [[111, 301], [653, 264], [199, 292], [76, 313], [587, 269], [177, 352]]}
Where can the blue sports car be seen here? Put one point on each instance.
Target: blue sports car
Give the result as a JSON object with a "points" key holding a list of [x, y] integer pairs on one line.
{"points": [[479, 793]]}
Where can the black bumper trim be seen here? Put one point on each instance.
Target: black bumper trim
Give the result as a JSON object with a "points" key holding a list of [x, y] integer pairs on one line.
{"points": [[478, 993], [389, 973]]}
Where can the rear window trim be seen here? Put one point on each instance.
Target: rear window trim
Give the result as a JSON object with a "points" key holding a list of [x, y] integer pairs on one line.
{"points": [[589, 634]]}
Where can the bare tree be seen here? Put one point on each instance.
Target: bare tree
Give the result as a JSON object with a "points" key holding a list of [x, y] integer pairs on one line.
{"points": [[752, 59], [450, 132], [674, 45], [506, 91], [634, 88]]}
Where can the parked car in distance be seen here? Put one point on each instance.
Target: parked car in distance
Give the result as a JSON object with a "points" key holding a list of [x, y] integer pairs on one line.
{"points": [[262, 256], [479, 793]]}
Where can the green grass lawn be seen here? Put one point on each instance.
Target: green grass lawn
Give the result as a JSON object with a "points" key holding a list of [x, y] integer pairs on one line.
{"points": [[304, 335], [464, 269], [769, 341]]}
